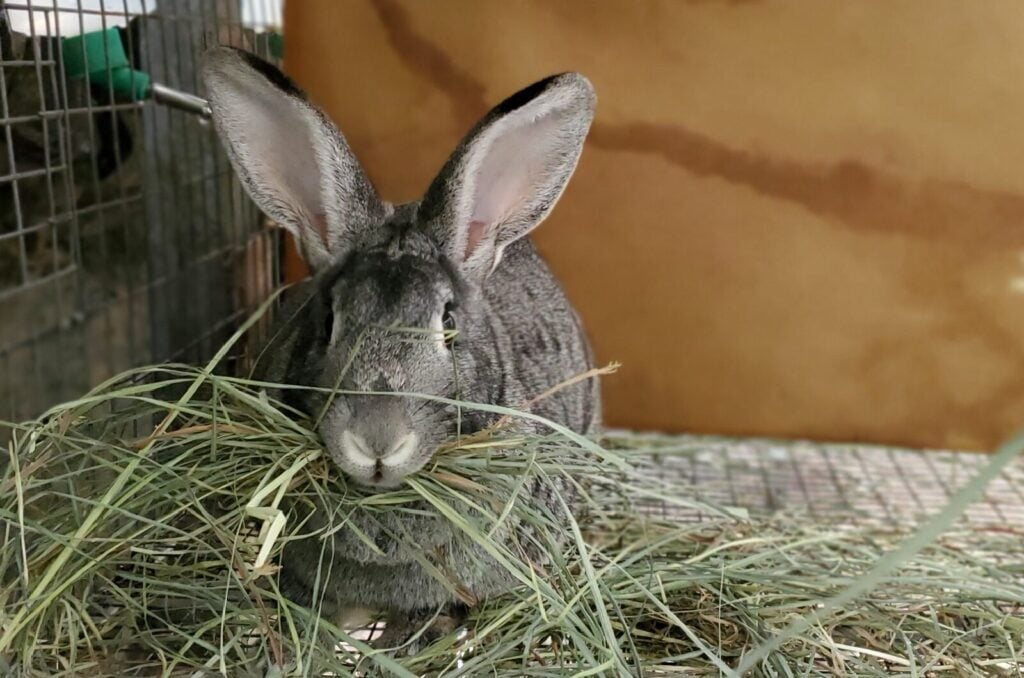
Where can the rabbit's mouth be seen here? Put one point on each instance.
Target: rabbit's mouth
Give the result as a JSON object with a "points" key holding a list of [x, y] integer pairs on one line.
{"points": [[378, 467]]}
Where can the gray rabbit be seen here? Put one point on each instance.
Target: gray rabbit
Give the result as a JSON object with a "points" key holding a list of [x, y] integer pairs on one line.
{"points": [[495, 325]]}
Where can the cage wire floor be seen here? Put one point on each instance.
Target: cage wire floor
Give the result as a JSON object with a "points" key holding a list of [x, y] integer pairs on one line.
{"points": [[853, 486], [849, 485]]}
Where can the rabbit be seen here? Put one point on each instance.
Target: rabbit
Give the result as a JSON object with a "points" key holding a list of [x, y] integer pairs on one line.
{"points": [[459, 264]]}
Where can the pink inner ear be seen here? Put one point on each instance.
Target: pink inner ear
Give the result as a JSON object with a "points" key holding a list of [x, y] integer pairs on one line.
{"points": [[512, 177], [320, 226], [474, 236]]}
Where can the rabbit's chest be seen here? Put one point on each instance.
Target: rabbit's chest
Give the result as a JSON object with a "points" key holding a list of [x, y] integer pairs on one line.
{"points": [[457, 572], [386, 539]]}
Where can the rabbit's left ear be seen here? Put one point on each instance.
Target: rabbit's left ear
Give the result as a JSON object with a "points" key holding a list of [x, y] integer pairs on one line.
{"points": [[292, 160], [509, 171]]}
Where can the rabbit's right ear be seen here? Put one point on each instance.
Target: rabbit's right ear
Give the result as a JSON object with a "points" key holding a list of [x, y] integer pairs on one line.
{"points": [[509, 171], [292, 160]]}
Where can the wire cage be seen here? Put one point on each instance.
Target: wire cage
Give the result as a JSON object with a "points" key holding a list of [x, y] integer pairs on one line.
{"points": [[846, 486], [124, 237]]}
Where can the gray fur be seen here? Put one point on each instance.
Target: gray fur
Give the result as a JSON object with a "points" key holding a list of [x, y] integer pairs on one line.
{"points": [[292, 160], [396, 269]]}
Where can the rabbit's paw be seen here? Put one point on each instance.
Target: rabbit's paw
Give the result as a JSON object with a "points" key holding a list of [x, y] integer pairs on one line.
{"points": [[406, 635]]}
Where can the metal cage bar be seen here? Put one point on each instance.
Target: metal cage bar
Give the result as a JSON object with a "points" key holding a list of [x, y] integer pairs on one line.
{"points": [[124, 236]]}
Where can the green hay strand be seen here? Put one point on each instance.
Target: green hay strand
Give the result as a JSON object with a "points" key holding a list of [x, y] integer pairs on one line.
{"points": [[142, 524]]}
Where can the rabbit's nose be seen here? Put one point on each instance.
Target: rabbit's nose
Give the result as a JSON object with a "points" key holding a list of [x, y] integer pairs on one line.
{"points": [[391, 456], [378, 466], [360, 450], [375, 460], [379, 434]]}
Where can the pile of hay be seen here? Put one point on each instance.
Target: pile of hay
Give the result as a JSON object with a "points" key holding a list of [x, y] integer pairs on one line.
{"points": [[142, 523]]}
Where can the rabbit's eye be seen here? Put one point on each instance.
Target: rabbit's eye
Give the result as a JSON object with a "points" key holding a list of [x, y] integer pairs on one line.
{"points": [[448, 324]]}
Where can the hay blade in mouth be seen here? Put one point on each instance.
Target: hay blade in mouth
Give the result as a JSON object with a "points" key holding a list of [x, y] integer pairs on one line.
{"points": [[142, 534]]}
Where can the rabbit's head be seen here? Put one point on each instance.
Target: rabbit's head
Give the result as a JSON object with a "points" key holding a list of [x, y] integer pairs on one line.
{"points": [[400, 293]]}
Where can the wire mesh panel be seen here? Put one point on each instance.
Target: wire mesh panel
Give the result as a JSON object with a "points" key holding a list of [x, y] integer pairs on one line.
{"points": [[124, 237], [842, 485]]}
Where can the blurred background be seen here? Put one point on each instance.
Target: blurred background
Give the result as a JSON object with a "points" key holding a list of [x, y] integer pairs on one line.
{"points": [[791, 219]]}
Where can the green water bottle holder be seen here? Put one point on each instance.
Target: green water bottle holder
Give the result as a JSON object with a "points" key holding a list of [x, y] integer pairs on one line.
{"points": [[100, 58]]}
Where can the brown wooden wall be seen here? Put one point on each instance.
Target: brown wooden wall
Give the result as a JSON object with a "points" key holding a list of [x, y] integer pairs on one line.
{"points": [[794, 219]]}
